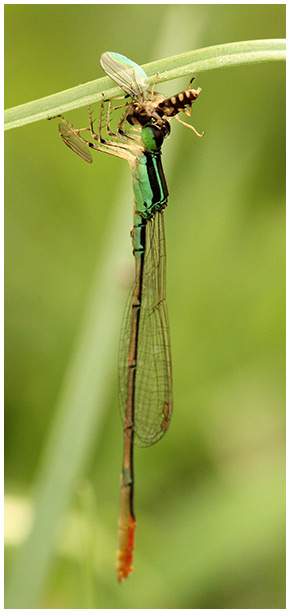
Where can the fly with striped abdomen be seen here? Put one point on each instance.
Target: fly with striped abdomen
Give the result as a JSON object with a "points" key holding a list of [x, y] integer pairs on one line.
{"points": [[142, 109]]}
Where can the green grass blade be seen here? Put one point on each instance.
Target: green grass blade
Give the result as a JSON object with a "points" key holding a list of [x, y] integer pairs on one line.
{"points": [[219, 56]]}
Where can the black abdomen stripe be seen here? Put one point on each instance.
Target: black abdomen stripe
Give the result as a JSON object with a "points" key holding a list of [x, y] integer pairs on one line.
{"points": [[156, 178]]}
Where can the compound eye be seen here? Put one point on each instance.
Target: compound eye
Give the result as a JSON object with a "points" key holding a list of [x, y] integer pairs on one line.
{"points": [[166, 128], [152, 137]]}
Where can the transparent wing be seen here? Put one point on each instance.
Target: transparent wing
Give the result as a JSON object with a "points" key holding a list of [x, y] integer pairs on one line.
{"points": [[74, 142], [153, 383], [127, 74]]}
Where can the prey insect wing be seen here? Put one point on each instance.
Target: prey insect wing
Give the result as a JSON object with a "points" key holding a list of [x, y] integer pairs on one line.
{"points": [[127, 74], [74, 142]]}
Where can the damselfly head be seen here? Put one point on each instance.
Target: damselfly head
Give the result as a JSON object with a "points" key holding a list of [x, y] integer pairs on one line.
{"points": [[153, 135], [142, 112]]}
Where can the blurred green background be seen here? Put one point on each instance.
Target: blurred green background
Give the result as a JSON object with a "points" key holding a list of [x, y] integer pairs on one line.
{"points": [[209, 497]]}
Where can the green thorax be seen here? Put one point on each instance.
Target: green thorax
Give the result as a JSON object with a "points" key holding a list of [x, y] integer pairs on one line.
{"points": [[149, 185]]}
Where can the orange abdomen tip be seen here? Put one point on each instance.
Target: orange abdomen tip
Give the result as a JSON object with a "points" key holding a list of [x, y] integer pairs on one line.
{"points": [[125, 552]]}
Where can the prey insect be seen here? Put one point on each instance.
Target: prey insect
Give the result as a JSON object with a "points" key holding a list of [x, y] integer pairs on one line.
{"points": [[142, 110]]}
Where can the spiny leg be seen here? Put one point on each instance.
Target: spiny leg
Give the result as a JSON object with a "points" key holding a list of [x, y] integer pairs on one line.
{"points": [[120, 126], [73, 139], [103, 141], [110, 132], [128, 135], [153, 86], [97, 137], [122, 135]]}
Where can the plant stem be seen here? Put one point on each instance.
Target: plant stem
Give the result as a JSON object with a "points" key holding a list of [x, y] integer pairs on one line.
{"points": [[219, 56]]}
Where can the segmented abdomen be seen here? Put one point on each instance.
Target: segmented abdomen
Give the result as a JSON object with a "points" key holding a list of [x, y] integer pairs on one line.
{"points": [[171, 106]]}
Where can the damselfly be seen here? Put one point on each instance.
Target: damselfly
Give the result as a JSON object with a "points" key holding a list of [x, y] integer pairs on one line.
{"points": [[145, 372]]}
